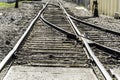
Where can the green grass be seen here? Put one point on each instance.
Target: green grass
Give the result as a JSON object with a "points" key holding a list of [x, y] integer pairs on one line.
{"points": [[6, 5]]}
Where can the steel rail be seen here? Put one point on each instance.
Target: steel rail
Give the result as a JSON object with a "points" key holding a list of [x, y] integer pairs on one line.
{"points": [[112, 52], [98, 63], [11, 53], [97, 27], [69, 35]]}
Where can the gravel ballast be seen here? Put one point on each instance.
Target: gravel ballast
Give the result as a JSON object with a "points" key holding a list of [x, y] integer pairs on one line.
{"points": [[13, 23]]}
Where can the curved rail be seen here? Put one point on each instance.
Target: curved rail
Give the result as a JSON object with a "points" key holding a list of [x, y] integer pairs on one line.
{"points": [[92, 25], [98, 63], [11, 53], [69, 35], [112, 52]]}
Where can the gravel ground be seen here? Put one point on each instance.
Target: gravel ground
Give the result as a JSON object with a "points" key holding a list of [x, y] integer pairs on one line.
{"points": [[13, 23], [102, 21]]}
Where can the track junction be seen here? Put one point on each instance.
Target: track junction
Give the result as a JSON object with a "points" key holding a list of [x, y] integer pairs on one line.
{"points": [[56, 39]]}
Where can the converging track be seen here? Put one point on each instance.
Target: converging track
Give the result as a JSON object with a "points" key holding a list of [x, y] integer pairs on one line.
{"points": [[53, 40]]}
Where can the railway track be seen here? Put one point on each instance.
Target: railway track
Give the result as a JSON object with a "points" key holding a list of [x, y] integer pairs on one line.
{"points": [[46, 46], [49, 47], [108, 39], [103, 42], [100, 36], [55, 41]]}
